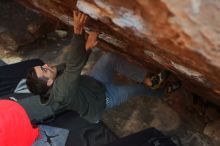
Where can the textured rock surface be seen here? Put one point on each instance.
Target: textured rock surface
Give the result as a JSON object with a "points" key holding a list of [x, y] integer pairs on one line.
{"points": [[182, 36], [19, 31], [172, 118], [213, 130]]}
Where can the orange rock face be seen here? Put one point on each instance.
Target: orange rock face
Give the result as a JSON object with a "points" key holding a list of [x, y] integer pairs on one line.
{"points": [[181, 36]]}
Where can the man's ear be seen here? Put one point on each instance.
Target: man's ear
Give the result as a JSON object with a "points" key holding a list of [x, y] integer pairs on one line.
{"points": [[49, 82]]}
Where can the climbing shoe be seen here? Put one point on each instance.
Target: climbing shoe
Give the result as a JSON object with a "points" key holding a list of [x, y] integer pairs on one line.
{"points": [[158, 79], [173, 87]]}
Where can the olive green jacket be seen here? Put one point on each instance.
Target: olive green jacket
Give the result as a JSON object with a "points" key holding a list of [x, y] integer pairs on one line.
{"points": [[77, 92]]}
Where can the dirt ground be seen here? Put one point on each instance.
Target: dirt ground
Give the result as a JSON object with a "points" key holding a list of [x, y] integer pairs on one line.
{"points": [[176, 115]]}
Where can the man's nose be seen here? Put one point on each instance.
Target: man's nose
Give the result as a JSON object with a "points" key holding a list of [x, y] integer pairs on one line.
{"points": [[45, 65]]}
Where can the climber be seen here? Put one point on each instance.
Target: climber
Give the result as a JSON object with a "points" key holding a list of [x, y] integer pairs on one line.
{"points": [[62, 86]]}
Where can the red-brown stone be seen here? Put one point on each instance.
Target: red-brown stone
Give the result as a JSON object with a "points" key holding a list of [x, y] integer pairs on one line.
{"points": [[181, 36]]}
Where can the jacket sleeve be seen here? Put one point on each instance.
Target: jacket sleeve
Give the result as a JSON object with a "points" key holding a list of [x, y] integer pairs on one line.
{"points": [[75, 59], [76, 53]]}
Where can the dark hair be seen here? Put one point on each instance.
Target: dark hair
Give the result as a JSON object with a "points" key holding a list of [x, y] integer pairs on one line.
{"points": [[37, 86]]}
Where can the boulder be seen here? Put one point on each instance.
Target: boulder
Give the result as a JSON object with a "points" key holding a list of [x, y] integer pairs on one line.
{"points": [[180, 36]]}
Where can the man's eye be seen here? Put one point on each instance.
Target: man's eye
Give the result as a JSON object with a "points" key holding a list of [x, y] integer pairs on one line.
{"points": [[43, 69]]}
